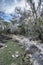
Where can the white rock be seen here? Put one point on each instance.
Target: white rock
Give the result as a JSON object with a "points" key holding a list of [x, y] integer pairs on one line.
{"points": [[16, 55], [13, 56], [6, 46], [30, 55]]}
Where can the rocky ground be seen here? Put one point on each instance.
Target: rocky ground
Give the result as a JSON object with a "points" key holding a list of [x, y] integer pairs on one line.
{"points": [[4, 39], [33, 48]]}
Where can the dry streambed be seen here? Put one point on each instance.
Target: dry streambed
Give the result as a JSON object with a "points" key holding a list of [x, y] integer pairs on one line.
{"points": [[33, 48]]}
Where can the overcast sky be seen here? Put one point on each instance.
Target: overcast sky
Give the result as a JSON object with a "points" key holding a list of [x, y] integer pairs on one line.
{"points": [[8, 6]]}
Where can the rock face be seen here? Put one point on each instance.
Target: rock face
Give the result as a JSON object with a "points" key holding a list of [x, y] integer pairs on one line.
{"points": [[4, 38], [1, 45], [33, 48]]}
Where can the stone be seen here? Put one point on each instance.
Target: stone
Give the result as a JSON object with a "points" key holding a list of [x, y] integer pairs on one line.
{"points": [[13, 56], [17, 54], [33, 49]]}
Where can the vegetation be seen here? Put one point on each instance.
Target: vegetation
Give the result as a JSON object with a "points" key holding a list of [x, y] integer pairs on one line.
{"points": [[31, 20], [8, 54], [30, 24]]}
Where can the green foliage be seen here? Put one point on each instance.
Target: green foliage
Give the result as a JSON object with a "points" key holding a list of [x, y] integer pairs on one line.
{"points": [[8, 50]]}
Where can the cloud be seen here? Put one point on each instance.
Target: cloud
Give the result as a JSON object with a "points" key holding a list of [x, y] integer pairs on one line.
{"points": [[9, 5], [11, 8]]}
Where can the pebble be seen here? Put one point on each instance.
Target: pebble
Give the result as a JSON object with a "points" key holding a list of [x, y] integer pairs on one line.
{"points": [[13, 56]]}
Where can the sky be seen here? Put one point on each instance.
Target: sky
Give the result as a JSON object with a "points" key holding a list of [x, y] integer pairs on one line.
{"points": [[8, 6]]}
